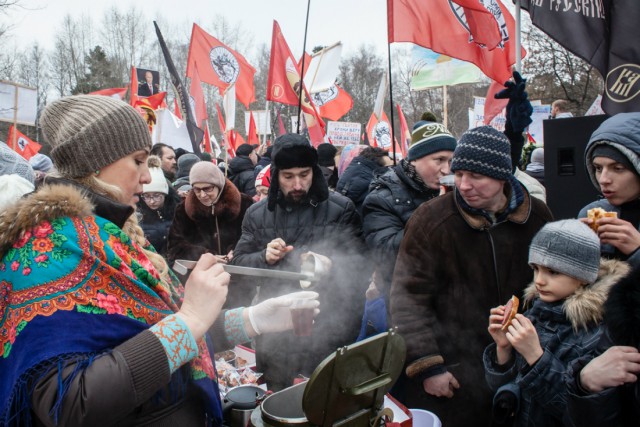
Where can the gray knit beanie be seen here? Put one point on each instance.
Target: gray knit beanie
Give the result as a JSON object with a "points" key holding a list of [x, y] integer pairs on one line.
{"points": [[483, 150], [89, 132], [207, 172], [185, 163], [13, 163], [569, 247]]}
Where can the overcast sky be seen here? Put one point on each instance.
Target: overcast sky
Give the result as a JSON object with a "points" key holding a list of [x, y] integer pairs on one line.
{"points": [[352, 22]]}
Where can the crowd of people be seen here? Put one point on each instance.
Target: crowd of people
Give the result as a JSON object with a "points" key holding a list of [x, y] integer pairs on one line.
{"points": [[97, 329]]}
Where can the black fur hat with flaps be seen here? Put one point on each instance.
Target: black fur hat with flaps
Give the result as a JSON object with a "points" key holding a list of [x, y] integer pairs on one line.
{"points": [[294, 151]]}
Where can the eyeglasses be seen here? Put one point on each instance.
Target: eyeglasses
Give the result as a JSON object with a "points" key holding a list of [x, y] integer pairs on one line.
{"points": [[207, 190], [152, 197]]}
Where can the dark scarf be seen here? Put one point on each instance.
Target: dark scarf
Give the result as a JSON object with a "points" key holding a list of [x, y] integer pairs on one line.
{"points": [[410, 171]]}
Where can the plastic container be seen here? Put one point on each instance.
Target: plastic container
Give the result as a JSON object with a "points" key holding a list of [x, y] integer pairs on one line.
{"points": [[422, 418]]}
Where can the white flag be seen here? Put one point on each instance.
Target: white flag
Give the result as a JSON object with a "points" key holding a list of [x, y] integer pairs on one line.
{"points": [[229, 105], [170, 130], [382, 92], [323, 69]]}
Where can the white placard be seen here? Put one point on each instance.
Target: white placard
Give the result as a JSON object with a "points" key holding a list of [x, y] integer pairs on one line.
{"points": [[344, 133], [262, 119], [27, 103]]}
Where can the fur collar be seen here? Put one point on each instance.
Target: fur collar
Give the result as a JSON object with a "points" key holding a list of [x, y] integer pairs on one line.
{"points": [[48, 203], [586, 306], [622, 310], [227, 207]]}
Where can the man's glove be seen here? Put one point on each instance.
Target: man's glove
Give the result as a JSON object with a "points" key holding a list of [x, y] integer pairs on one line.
{"points": [[519, 108], [273, 315]]}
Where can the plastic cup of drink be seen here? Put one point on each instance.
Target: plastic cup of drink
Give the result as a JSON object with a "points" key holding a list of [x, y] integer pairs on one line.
{"points": [[447, 182], [302, 317]]}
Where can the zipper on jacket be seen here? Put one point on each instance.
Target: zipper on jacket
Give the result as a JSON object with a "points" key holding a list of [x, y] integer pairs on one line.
{"points": [[495, 266]]}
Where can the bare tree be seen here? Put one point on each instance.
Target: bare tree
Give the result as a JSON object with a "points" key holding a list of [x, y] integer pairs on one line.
{"points": [[360, 76], [557, 73]]}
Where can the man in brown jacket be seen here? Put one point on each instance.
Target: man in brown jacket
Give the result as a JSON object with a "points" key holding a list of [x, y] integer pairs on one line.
{"points": [[462, 254]]}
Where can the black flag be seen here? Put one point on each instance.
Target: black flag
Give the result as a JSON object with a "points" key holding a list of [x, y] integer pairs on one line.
{"points": [[195, 133], [604, 33]]}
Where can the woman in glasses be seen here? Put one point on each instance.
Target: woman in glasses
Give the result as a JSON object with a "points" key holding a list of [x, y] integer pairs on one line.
{"points": [[157, 207], [210, 217]]}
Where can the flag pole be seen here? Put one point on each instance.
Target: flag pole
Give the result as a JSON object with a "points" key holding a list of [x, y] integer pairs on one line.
{"points": [[304, 49], [14, 136], [518, 36], [444, 105], [266, 115], [393, 138]]}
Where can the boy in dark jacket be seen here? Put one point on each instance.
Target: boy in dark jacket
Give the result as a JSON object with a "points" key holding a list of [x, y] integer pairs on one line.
{"points": [[526, 364]]}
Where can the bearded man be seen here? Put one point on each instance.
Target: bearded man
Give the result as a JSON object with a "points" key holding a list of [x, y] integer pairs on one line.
{"points": [[301, 215]]}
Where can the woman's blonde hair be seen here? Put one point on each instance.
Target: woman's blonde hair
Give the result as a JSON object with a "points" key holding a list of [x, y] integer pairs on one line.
{"points": [[131, 226]]}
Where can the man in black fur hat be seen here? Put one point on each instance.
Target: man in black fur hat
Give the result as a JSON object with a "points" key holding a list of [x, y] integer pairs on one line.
{"points": [[301, 215]]}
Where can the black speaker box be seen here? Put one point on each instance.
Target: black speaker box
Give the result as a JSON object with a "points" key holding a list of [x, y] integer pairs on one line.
{"points": [[566, 180]]}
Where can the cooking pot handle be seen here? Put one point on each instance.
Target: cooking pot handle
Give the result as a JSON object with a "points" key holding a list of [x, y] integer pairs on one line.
{"points": [[368, 386]]}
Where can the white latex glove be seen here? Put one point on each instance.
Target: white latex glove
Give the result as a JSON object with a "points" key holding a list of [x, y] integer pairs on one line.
{"points": [[274, 315]]}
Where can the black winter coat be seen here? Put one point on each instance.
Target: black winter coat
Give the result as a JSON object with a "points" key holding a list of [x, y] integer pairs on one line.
{"points": [[242, 175], [355, 180], [618, 406], [327, 224], [156, 223], [386, 210]]}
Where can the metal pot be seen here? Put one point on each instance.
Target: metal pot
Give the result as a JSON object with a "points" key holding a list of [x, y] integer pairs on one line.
{"points": [[239, 402]]}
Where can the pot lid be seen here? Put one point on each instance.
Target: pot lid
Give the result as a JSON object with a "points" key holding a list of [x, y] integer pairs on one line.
{"points": [[354, 379], [244, 396]]}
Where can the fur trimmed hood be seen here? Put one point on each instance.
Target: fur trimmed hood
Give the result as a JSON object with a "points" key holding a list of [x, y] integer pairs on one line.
{"points": [[622, 310], [227, 207], [48, 203], [586, 306]]}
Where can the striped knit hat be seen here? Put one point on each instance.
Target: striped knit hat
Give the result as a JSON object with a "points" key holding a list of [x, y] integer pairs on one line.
{"points": [[569, 247], [89, 132], [484, 150], [429, 137]]}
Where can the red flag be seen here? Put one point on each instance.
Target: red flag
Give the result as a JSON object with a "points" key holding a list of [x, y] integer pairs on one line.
{"points": [[206, 139], [21, 144], [333, 103], [446, 30], [252, 136], [176, 109], [220, 65], [405, 133], [154, 101], [379, 134], [114, 92], [196, 96], [133, 87], [493, 106], [284, 85]]}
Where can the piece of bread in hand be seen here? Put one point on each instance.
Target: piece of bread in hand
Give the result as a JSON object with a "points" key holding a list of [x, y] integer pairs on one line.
{"points": [[510, 311], [596, 213]]}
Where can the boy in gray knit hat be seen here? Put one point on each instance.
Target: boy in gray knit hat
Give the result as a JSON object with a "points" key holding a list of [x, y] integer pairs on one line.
{"points": [[526, 363]]}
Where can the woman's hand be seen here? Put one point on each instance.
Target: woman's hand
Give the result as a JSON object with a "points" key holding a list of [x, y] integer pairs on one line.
{"points": [[523, 337], [205, 293]]}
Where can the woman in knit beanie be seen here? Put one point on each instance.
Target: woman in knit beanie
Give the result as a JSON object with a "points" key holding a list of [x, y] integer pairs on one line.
{"points": [[612, 158], [157, 207], [93, 325], [209, 220], [526, 365]]}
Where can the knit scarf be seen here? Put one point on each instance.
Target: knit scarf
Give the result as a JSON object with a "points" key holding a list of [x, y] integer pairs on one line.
{"points": [[70, 290]]}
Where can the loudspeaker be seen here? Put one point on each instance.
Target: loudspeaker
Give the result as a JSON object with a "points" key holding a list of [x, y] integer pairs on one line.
{"points": [[566, 180]]}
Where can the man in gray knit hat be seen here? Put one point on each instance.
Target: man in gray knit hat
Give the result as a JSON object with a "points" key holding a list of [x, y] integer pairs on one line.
{"points": [[462, 254]]}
